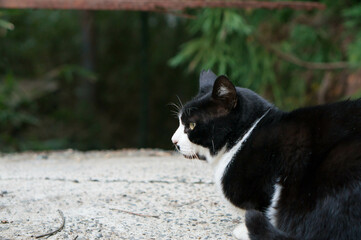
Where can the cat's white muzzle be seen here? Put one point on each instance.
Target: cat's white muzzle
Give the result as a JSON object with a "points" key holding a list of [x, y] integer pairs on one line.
{"points": [[186, 147]]}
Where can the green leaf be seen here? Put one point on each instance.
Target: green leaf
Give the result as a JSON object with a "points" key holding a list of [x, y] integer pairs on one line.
{"points": [[7, 25]]}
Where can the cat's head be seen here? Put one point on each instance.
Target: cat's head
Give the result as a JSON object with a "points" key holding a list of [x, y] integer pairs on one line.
{"points": [[216, 118]]}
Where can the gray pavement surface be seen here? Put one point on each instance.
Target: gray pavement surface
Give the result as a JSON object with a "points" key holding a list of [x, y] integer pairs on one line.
{"points": [[111, 195]]}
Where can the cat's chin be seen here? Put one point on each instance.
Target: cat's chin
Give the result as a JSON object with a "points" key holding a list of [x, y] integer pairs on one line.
{"points": [[196, 156]]}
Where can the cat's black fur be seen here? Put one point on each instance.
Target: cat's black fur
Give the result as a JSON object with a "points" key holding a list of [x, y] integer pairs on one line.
{"points": [[313, 153]]}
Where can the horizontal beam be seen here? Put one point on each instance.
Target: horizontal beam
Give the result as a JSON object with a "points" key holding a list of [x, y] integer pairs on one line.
{"points": [[154, 5]]}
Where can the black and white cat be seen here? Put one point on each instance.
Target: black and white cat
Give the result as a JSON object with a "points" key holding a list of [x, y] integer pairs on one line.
{"points": [[298, 174]]}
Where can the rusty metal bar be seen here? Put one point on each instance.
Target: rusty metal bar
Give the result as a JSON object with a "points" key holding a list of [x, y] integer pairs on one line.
{"points": [[154, 5]]}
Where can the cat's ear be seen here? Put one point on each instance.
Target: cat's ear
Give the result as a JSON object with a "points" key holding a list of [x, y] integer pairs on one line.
{"points": [[206, 80], [225, 92]]}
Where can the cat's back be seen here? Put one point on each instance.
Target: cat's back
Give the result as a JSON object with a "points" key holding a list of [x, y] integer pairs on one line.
{"points": [[319, 147], [339, 115], [322, 127], [322, 177]]}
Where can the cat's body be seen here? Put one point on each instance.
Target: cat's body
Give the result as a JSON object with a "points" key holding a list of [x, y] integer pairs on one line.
{"points": [[298, 174]]}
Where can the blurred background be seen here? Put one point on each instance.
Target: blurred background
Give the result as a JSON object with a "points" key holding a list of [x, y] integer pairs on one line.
{"points": [[91, 80]]}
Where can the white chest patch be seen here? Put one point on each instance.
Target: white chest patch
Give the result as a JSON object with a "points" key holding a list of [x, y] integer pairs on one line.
{"points": [[222, 164], [272, 210]]}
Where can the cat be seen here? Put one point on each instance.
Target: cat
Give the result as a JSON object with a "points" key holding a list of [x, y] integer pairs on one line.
{"points": [[297, 174]]}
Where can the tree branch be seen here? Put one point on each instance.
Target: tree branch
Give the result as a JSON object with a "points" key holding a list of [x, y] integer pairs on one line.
{"points": [[299, 62], [310, 65]]}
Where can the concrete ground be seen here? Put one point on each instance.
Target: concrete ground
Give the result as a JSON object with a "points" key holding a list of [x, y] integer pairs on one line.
{"points": [[111, 195]]}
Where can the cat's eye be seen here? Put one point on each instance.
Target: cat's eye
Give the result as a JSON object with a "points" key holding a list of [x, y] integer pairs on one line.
{"points": [[192, 126]]}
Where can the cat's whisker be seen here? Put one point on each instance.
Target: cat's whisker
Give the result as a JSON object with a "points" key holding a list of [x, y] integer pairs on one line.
{"points": [[180, 102], [177, 149], [177, 107], [192, 108], [194, 155], [175, 113], [189, 109]]}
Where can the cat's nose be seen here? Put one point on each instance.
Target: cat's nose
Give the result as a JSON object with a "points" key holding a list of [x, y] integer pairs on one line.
{"points": [[175, 142], [174, 139]]}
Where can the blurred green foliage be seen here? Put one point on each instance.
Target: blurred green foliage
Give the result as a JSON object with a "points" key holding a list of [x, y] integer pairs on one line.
{"points": [[352, 18], [43, 75], [41, 62], [237, 43], [13, 117], [5, 25]]}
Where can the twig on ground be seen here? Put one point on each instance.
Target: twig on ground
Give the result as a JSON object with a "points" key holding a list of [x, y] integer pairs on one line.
{"points": [[133, 213], [187, 204], [76, 237], [57, 230]]}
